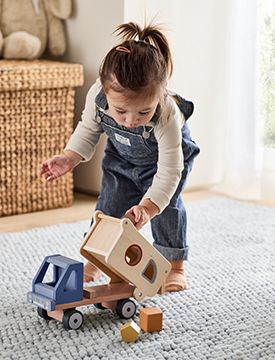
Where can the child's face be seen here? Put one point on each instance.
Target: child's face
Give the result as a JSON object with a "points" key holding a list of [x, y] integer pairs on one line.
{"points": [[133, 110]]}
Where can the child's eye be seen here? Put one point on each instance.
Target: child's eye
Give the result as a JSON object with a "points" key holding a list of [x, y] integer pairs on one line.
{"points": [[120, 112], [144, 113]]}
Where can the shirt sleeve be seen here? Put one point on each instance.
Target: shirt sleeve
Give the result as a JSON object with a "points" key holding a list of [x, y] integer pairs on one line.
{"points": [[88, 130], [170, 161]]}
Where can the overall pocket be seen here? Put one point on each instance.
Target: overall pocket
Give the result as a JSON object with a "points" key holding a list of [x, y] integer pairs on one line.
{"points": [[129, 144]]}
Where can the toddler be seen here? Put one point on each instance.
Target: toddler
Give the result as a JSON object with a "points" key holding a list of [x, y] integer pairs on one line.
{"points": [[149, 150]]}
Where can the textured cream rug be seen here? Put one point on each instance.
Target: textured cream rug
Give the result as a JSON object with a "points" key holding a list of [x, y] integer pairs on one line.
{"points": [[228, 312]]}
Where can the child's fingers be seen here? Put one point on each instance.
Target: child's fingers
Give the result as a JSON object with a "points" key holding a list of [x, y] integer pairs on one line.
{"points": [[138, 225], [48, 172], [138, 217], [52, 175], [50, 178], [48, 175], [43, 169], [137, 214], [129, 216]]}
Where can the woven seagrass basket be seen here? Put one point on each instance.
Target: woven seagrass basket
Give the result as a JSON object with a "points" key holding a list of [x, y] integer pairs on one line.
{"points": [[36, 120]]}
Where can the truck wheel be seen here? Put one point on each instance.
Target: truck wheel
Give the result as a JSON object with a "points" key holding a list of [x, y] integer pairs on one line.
{"points": [[43, 313], [72, 319], [126, 308]]}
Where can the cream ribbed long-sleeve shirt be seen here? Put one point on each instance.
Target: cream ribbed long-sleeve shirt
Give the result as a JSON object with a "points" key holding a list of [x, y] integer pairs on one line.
{"points": [[167, 133]]}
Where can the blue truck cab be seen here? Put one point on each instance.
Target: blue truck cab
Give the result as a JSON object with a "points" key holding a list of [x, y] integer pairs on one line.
{"points": [[66, 285]]}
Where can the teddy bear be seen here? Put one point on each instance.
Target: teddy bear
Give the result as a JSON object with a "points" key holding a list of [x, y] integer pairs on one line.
{"points": [[29, 27]]}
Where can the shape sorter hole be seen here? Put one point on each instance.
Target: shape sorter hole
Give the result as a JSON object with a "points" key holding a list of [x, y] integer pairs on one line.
{"points": [[133, 255]]}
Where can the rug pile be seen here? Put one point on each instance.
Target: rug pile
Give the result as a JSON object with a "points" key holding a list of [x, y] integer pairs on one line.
{"points": [[228, 312]]}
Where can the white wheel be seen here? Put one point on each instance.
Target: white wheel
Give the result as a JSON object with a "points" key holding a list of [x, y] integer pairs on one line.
{"points": [[126, 308], [72, 319]]}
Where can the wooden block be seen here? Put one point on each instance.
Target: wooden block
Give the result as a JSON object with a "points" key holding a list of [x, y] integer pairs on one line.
{"points": [[130, 331], [150, 319]]}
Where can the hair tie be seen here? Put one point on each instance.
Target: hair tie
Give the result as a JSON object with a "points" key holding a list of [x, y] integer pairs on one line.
{"points": [[123, 49]]}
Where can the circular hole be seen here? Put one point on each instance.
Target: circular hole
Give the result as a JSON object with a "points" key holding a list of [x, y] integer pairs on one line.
{"points": [[133, 255]]}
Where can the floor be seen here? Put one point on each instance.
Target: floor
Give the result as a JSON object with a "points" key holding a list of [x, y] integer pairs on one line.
{"points": [[82, 209]]}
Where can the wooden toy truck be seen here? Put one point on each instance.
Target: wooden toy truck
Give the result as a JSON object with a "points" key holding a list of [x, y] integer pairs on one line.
{"points": [[135, 268]]}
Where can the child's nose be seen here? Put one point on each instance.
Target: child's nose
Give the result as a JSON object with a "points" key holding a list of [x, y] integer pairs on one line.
{"points": [[131, 120]]}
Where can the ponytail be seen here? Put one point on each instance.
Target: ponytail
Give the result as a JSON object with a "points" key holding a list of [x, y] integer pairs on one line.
{"points": [[151, 35], [141, 62]]}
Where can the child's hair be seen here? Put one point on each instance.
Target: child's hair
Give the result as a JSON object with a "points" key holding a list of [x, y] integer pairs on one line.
{"points": [[141, 63]]}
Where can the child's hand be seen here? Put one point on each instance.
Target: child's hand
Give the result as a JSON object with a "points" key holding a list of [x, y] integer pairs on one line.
{"points": [[138, 215], [56, 166]]}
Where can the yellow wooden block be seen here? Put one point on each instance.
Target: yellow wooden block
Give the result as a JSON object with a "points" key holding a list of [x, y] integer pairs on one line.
{"points": [[130, 331]]}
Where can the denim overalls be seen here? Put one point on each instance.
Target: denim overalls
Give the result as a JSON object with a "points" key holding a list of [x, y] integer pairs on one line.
{"points": [[129, 165]]}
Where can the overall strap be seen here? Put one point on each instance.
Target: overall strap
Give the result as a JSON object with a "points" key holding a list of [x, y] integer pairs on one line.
{"points": [[101, 100], [185, 106]]}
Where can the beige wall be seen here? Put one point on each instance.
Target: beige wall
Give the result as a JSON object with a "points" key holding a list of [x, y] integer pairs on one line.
{"points": [[90, 36]]}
